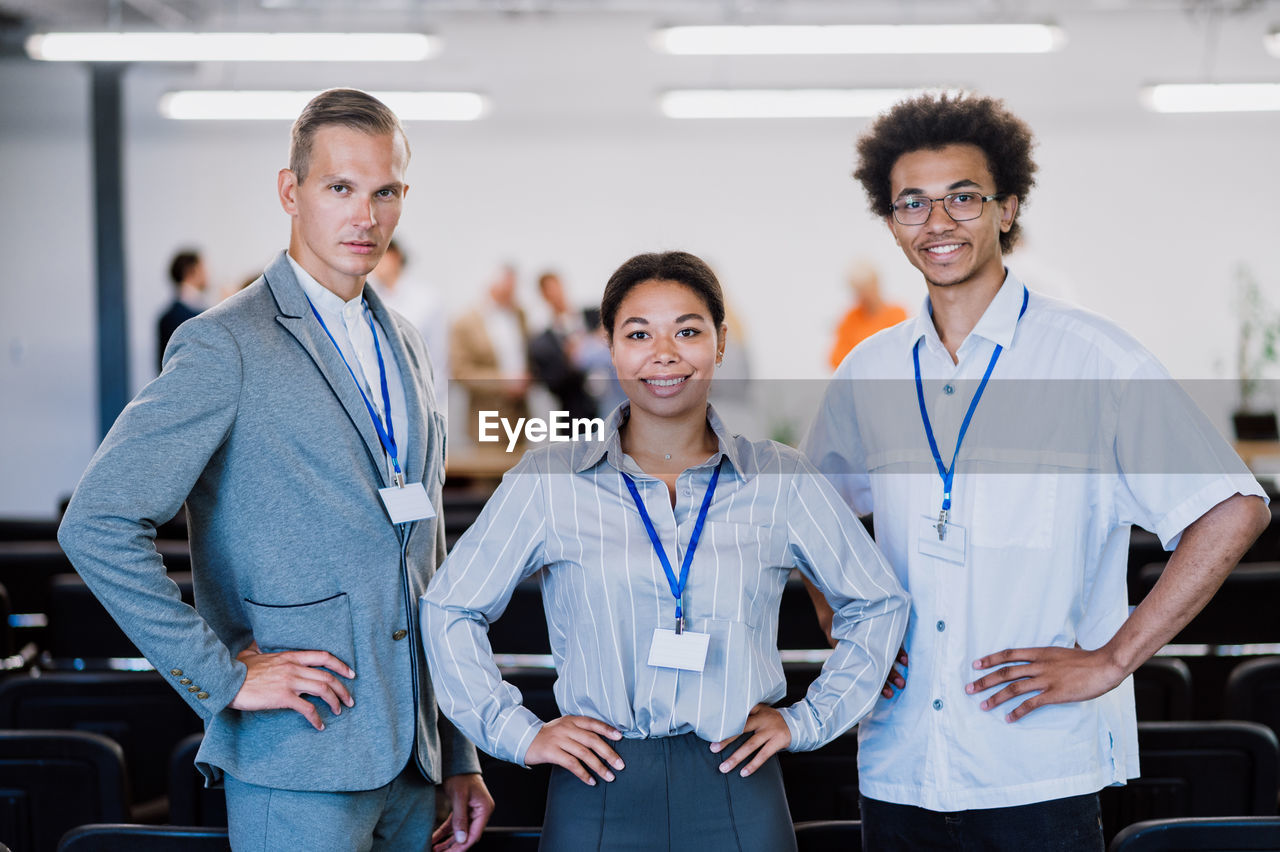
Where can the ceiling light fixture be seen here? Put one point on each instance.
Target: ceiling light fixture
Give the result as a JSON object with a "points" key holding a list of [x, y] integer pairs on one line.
{"points": [[870, 39], [1211, 97], [232, 47], [779, 103], [285, 105]]}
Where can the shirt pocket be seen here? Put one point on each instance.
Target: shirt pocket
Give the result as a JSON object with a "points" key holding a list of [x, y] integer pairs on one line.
{"points": [[1018, 496], [323, 625], [743, 569]]}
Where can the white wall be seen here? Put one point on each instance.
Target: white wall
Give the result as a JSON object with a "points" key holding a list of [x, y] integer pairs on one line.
{"points": [[574, 169]]}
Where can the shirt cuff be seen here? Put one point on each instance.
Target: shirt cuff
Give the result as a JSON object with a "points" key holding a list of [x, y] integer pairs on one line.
{"points": [[520, 729], [794, 717]]}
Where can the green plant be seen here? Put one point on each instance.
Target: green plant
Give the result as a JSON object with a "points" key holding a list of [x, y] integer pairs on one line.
{"points": [[1259, 345]]}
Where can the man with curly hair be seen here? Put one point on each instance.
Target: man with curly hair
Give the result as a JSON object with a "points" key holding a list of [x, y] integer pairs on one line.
{"points": [[1016, 441]]}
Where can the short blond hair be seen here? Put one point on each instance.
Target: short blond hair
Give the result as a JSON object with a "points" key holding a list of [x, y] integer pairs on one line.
{"points": [[347, 107]]}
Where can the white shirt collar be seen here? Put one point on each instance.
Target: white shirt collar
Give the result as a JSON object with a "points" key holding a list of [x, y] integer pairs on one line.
{"points": [[321, 296], [997, 324]]}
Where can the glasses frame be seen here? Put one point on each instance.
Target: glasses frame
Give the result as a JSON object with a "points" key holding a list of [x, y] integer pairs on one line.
{"points": [[946, 206]]}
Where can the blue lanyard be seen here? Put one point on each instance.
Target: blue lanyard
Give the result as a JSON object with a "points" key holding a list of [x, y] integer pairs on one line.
{"points": [[948, 474], [677, 586], [388, 435]]}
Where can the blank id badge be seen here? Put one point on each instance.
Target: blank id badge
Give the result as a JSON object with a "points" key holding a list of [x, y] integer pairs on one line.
{"points": [[686, 651], [940, 539], [407, 503]]}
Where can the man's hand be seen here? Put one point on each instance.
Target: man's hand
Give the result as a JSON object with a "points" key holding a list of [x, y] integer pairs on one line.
{"points": [[769, 735], [470, 806], [278, 682], [1059, 675], [576, 743], [896, 677]]}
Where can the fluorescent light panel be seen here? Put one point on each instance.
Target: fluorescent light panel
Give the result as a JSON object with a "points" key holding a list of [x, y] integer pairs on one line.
{"points": [[871, 39], [232, 47], [1212, 97], [285, 105], [780, 103]]}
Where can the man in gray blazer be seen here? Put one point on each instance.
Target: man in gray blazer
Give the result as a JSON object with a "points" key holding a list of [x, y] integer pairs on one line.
{"points": [[298, 422]]}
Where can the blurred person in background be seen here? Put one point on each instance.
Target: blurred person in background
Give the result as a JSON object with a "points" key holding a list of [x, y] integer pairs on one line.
{"points": [[869, 314], [187, 273], [489, 353], [420, 304]]}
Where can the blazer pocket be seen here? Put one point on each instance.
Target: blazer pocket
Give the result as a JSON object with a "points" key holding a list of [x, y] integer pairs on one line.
{"points": [[323, 625]]}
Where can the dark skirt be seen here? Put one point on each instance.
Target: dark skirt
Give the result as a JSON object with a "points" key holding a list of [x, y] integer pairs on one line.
{"points": [[673, 797]]}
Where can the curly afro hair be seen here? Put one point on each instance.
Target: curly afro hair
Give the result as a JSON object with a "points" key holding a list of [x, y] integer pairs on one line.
{"points": [[931, 121]]}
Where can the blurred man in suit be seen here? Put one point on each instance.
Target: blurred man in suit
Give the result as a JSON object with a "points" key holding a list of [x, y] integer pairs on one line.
{"points": [[187, 273], [297, 420]]}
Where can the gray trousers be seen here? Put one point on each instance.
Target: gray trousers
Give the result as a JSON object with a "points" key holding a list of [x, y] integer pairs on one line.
{"points": [[670, 797], [397, 817]]}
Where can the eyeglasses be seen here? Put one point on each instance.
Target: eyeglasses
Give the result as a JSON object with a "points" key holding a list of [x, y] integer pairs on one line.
{"points": [[960, 206]]}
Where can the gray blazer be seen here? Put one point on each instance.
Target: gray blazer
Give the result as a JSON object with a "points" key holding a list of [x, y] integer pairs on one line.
{"points": [[256, 424]]}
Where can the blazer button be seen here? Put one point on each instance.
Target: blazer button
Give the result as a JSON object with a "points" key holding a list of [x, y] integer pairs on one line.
{"points": [[185, 681], [399, 634], [202, 695], [176, 672], [193, 689]]}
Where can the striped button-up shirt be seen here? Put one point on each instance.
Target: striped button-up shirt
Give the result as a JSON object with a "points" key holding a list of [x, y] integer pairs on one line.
{"points": [[564, 514]]}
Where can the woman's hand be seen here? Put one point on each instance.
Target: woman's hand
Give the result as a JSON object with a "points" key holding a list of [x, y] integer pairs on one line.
{"points": [[578, 744], [769, 735]]}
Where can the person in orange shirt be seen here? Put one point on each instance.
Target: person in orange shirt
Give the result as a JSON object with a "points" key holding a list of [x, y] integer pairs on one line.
{"points": [[870, 314]]}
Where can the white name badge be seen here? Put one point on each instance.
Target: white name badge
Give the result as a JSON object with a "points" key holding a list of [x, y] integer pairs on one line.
{"points": [[948, 547], [671, 650], [406, 504]]}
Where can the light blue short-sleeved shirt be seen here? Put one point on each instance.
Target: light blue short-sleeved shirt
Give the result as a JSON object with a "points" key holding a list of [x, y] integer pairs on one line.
{"points": [[1079, 435], [565, 515]]}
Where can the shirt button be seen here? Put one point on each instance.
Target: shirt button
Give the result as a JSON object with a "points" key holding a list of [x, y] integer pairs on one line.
{"points": [[399, 634], [937, 704], [942, 625], [948, 389]]}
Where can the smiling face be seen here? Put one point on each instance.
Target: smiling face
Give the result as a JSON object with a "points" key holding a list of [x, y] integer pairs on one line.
{"points": [[347, 208], [665, 348], [950, 253]]}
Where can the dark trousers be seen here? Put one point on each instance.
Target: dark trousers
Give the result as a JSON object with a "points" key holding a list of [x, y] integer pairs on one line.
{"points": [[670, 798], [1073, 824]]}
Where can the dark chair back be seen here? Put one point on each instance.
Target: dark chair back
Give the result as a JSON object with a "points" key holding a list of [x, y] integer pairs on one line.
{"points": [[125, 837], [1199, 769], [1194, 834], [823, 784], [52, 781], [522, 627], [1162, 688], [1253, 692], [190, 801], [139, 710], [841, 835], [81, 628], [1242, 612]]}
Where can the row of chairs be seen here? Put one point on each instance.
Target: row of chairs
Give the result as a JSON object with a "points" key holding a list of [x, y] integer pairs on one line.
{"points": [[1207, 768], [140, 711], [1188, 834]]}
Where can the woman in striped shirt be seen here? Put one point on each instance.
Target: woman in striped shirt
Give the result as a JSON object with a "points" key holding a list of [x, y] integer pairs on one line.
{"points": [[662, 552]]}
